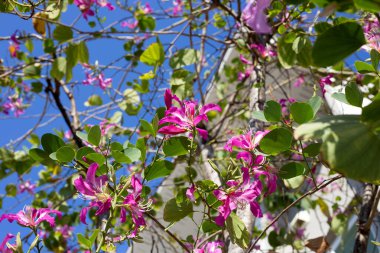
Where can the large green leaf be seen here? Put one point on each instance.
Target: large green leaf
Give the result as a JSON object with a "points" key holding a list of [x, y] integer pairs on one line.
{"points": [[337, 43], [237, 231], [51, 143], [65, 154], [62, 33], [301, 112], [353, 95], [368, 5], [154, 55], [176, 146], [286, 55], [94, 135], [174, 212], [292, 169], [276, 141], [184, 57], [159, 168], [349, 146], [272, 111]]}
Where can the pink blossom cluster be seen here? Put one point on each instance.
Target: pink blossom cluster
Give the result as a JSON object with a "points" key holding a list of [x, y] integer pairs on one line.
{"points": [[372, 33], [26, 186], [15, 104], [185, 116], [96, 190], [327, 80], [96, 77], [133, 23], [85, 6], [239, 193], [211, 247]]}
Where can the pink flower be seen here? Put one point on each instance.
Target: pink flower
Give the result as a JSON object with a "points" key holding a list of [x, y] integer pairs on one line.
{"points": [[3, 246], [372, 33], [190, 192], [105, 3], [14, 46], [238, 195], [32, 217], [26, 186], [147, 9], [327, 80], [96, 76], [177, 7], [94, 189], [263, 50], [131, 205], [300, 80], [65, 230], [130, 24], [254, 16], [13, 104], [284, 104], [210, 247], [68, 135], [105, 126], [186, 117], [245, 141], [85, 7]]}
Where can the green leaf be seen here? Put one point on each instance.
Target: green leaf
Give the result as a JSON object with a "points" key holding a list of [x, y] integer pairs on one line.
{"points": [[301, 112], [259, 115], [353, 95], [237, 231], [272, 111], [349, 146], [84, 242], [65, 154], [94, 100], [133, 154], [276, 141], [38, 154], [154, 55], [368, 5], [340, 97], [315, 102], [292, 169], [33, 244], [174, 212], [141, 145], [51, 143], [62, 33], [82, 152], [184, 57], [11, 190], [94, 236], [159, 168], [371, 113], [312, 149], [337, 43], [120, 157], [94, 135], [72, 60], [375, 58], [37, 87], [364, 68], [286, 54], [32, 72], [147, 126], [58, 70], [29, 45], [83, 54], [96, 157], [176, 146]]}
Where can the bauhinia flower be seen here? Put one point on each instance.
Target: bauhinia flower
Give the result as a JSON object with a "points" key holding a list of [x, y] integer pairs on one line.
{"points": [[211, 247], [147, 9], [372, 33], [13, 104], [85, 6], [95, 189], [190, 192], [96, 77], [248, 143], [131, 24], [186, 117], [263, 50], [177, 7], [132, 205], [327, 80], [3, 246], [32, 217], [14, 46], [26, 186], [238, 195], [299, 81], [254, 16]]}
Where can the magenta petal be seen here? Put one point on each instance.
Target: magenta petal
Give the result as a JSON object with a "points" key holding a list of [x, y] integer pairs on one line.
{"points": [[91, 172], [171, 119], [123, 215], [83, 187], [190, 193], [83, 214], [210, 107], [203, 133], [256, 210], [171, 130]]}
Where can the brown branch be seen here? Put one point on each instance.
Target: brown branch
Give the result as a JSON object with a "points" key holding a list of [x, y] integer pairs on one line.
{"points": [[56, 96], [169, 233], [319, 187]]}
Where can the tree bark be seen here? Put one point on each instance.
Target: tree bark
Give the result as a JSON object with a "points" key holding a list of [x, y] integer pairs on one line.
{"points": [[364, 219]]}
